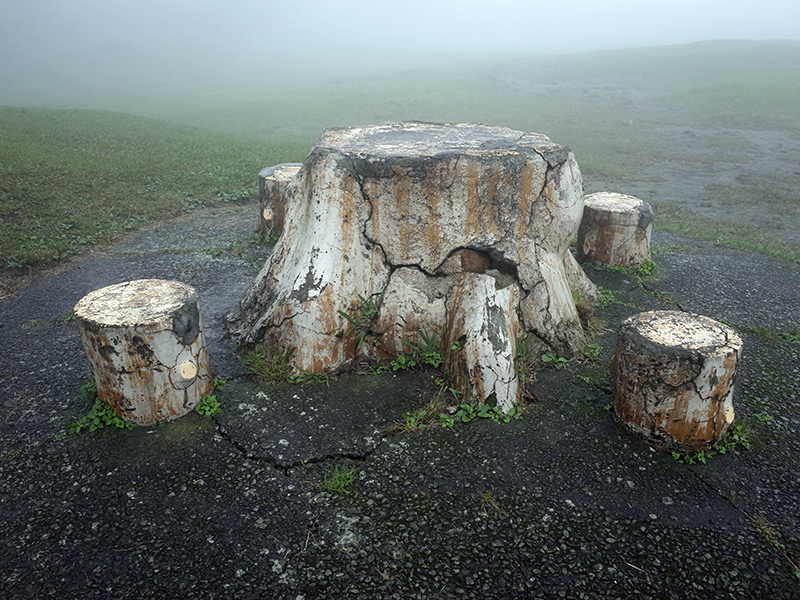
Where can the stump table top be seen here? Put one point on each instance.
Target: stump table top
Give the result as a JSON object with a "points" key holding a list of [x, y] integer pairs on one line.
{"points": [[415, 139], [132, 303]]}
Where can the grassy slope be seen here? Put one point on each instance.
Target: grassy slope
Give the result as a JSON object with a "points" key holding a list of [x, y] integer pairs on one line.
{"points": [[71, 178]]}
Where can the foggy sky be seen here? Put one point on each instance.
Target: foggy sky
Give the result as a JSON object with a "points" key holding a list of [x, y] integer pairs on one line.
{"points": [[148, 42]]}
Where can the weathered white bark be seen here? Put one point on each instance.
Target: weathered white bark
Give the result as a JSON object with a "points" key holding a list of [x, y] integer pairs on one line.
{"points": [[615, 230], [481, 341], [272, 184], [400, 212], [146, 348], [673, 375]]}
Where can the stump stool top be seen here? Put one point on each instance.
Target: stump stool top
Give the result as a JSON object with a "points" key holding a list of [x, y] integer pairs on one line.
{"points": [[674, 330], [134, 303], [614, 202]]}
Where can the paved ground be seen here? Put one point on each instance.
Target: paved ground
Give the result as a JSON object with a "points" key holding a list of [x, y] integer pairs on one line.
{"points": [[562, 503]]}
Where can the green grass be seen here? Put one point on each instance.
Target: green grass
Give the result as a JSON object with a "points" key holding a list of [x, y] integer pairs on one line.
{"points": [[70, 179]]}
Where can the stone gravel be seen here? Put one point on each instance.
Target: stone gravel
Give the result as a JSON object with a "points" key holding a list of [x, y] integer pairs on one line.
{"points": [[562, 503]]}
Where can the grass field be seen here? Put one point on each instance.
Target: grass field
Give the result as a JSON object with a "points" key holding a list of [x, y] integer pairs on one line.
{"points": [[709, 133]]}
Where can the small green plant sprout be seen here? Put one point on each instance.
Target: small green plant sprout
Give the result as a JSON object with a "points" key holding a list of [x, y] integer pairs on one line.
{"points": [[404, 362], [647, 268], [208, 406], [316, 377], [430, 353], [737, 438], [471, 412], [427, 352], [489, 503], [792, 335], [363, 320], [605, 296], [101, 414], [219, 383], [377, 369], [340, 481], [446, 389], [592, 351], [551, 358]]}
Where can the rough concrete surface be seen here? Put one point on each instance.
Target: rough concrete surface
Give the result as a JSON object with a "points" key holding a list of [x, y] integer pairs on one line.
{"points": [[561, 503]]}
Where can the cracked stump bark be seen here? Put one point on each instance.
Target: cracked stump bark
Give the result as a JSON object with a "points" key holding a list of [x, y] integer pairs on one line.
{"points": [[673, 376], [146, 348], [458, 231]]}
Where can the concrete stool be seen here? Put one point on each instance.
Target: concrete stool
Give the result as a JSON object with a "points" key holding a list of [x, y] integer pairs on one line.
{"points": [[272, 184], [673, 377], [146, 348], [615, 230]]}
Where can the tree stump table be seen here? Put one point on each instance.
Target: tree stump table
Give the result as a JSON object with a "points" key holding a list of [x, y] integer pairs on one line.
{"points": [[615, 230], [146, 348], [272, 184], [400, 231], [673, 376]]}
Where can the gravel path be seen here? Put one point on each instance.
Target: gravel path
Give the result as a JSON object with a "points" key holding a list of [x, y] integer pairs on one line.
{"points": [[561, 503]]}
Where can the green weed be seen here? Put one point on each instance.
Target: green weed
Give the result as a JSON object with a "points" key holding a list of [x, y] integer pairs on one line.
{"points": [[647, 268], [99, 416], [403, 362], [340, 481], [315, 377], [363, 319], [736, 438], [471, 412], [592, 351], [269, 364], [551, 358], [208, 406]]}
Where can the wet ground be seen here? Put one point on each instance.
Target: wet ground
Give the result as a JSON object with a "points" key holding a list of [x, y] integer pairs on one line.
{"points": [[561, 503]]}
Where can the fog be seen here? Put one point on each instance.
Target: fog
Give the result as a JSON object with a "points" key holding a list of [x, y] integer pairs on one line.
{"points": [[63, 51]]}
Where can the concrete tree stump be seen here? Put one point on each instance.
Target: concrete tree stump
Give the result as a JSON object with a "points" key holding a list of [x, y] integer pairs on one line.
{"points": [[272, 184], [146, 348], [399, 215], [673, 376], [615, 230]]}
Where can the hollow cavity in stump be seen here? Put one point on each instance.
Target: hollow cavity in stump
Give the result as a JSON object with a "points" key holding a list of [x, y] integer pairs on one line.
{"points": [[457, 231], [146, 348], [673, 376], [615, 230]]}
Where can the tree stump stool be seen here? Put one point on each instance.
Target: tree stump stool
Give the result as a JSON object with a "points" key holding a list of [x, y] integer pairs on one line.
{"points": [[146, 348], [395, 216], [615, 230], [272, 184], [673, 377]]}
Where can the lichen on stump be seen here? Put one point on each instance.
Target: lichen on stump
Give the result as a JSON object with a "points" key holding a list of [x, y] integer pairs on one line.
{"points": [[272, 184], [615, 230], [673, 376], [146, 348], [399, 212]]}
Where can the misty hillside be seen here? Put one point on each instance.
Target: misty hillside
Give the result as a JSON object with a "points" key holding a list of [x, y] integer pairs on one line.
{"points": [[709, 133]]}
